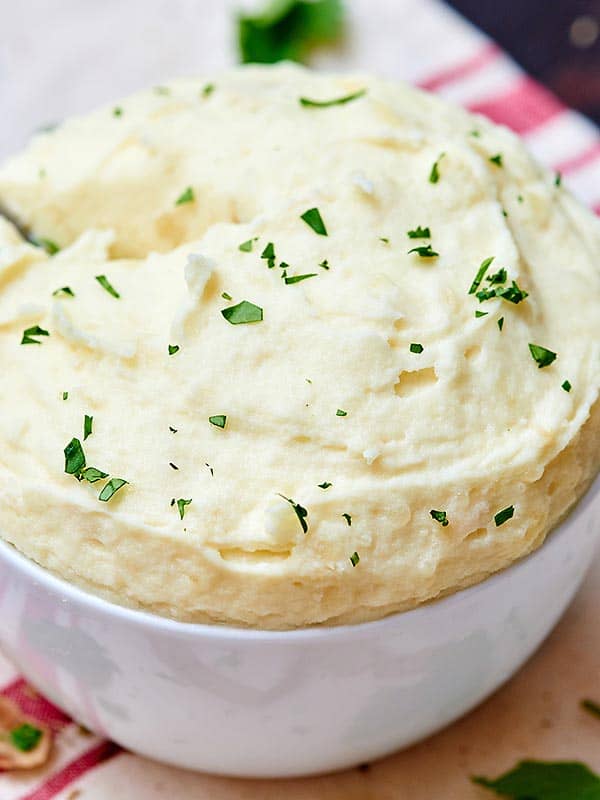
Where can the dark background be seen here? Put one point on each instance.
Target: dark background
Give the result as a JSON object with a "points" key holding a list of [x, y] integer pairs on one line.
{"points": [[556, 41]]}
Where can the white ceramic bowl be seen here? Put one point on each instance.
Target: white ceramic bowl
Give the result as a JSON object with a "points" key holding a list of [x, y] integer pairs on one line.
{"points": [[257, 703]]}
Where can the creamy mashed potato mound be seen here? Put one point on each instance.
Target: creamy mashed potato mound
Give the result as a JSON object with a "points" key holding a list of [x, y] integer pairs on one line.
{"points": [[373, 442]]}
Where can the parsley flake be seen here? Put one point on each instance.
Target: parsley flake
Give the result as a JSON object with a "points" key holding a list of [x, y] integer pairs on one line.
{"points": [[246, 247], [324, 264], [419, 233], [269, 255], [434, 175], [558, 179], [117, 111], [338, 101], [298, 278], [74, 457], [219, 420], [187, 196], [416, 347], [92, 475], [566, 386], [173, 430], [503, 516], [65, 395], [313, 219], [480, 274], [425, 251], [325, 485], [300, 511], [479, 313], [226, 296], [173, 348], [354, 558], [107, 286], [31, 332], [111, 488], [500, 323], [181, 504], [348, 519], [49, 245], [497, 160], [341, 413], [545, 780], [25, 738], [88, 423], [208, 89], [541, 355], [65, 290], [173, 466], [439, 516], [243, 313]]}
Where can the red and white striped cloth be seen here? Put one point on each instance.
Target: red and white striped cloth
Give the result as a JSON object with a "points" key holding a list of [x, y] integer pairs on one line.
{"points": [[418, 40]]}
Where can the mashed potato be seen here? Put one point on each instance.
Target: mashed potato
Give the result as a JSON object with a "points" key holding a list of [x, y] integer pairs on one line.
{"points": [[344, 354]]}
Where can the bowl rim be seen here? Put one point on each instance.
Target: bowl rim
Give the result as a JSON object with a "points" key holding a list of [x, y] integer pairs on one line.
{"points": [[147, 619]]}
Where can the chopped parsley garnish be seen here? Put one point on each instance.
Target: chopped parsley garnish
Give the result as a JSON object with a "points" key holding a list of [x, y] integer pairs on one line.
{"points": [[181, 504], [269, 255], [384, 239], [545, 780], [313, 219], [338, 101], [173, 430], [425, 251], [324, 264], [111, 488], [208, 89], [354, 558], [173, 466], [88, 424], [479, 313], [226, 296], [66, 290], [300, 511], [520, 198], [117, 111], [246, 247], [243, 313], [219, 420], [341, 413], [187, 196], [348, 519], [107, 286], [91, 474], [419, 233], [503, 516], [31, 332], [480, 274], [513, 293], [591, 707], [416, 347], [566, 385], [65, 395], [25, 738], [439, 516], [500, 323], [288, 30], [325, 485], [298, 278], [541, 355], [498, 277], [497, 160], [74, 457], [558, 179], [434, 175], [48, 245], [173, 348]]}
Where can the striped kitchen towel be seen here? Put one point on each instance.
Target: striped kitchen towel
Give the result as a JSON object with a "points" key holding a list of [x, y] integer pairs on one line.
{"points": [[418, 40]]}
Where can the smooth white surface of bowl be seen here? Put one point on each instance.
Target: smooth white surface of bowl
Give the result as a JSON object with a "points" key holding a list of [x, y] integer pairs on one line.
{"points": [[274, 704]]}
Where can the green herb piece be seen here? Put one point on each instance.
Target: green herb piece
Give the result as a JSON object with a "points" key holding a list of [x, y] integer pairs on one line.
{"points": [[425, 251], [439, 516], [475, 133], [497, 277], [88, 424], [503, 516], [313, 219], [187, 196], [384, 239], [325, 485], [298, 278], [105, 284], [219, 420], [419, 233], [541, 355], [545, 780], [512, 293], [354, 558], [416, 347], [173, 466], [504, 212], [269, 255], [92, 475], [208, 89], [111, 488], [591, 707], [338, 101], [348, 519], [173, 348], [480, 274], [558, 179], [324, 264], [181, 504], [243, 313], [300, 511], [66, 290], [25, 738], [519, 198], [74, 457], [226, 296], [341, 413], [500, 323], [173, 430], [31, 332], [65, 395], [479, 313], [497, 160], [117, 111], [566, 385], [246, 247], [288, 29], [434, 175]]}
